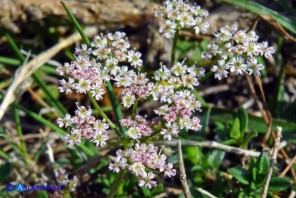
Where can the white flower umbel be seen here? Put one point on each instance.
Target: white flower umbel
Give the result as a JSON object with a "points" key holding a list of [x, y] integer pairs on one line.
{"points": [[237, 52]]}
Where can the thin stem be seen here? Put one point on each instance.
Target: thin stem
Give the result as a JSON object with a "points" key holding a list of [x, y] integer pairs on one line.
{"points": [[134, 111], [116, 184], [77, 26], [20, 133], [273, 161], [101, 112], [174, 47], [115, 104], [182, 172]]}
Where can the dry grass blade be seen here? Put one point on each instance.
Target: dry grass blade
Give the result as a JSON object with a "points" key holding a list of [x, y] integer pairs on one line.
{"points": [[182, 172], [213, 145], [27, 69], [273, 160]]}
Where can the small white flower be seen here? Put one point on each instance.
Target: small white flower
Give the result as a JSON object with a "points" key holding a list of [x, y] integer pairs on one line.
{"points": [[147, 180], [134, 58], [100, 138], [254, 67], [137, 169], [134, 133], [128, 99]]}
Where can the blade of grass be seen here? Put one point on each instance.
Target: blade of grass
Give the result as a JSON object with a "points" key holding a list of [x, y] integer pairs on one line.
{"points": [[114, 101], [15, 62], [20, 132], [59, 107], [261, 10], [52, 126]]}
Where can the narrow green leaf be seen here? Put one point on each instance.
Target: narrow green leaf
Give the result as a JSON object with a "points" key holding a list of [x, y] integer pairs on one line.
{"points": [[248, 138], [5, 171], [262, 163], [261, 10], [216, 158], [278, 184], [254, 173], [205, 122], [241, 174], [42, 194], [235, 130], [243, 119], [76, 24]]}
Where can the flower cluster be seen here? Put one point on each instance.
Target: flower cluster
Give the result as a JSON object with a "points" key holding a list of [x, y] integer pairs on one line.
{"points": [[140, 161], [99, 63], [178, 105], [62, 178], [84, 125], [137, 128], [180, 15], [237, 51]]}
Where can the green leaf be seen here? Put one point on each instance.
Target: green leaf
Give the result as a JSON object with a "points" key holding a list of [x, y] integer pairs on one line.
{"points": [[230, 142], [235, 130], [42, 194], [261, 10], [205, 121], [215, 158], [243, 119], [254, 173], [278, 184], [262, 164], [5, 171], [249, 138], [241, 174]]}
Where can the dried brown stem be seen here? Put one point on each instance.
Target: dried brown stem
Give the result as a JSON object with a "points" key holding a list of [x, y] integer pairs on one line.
{"points": [[204, 192], [273, 161], [288, 167], [212, 144], [182, 172], [26, 70]]}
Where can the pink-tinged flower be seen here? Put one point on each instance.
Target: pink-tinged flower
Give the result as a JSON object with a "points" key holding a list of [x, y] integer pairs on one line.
{"points": [[88, 133], [61, 176], [100, 138], [168, 170], [267, 51], [73, 138], [195, 124], [169, 131], [66, 86], [147, 181]]}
